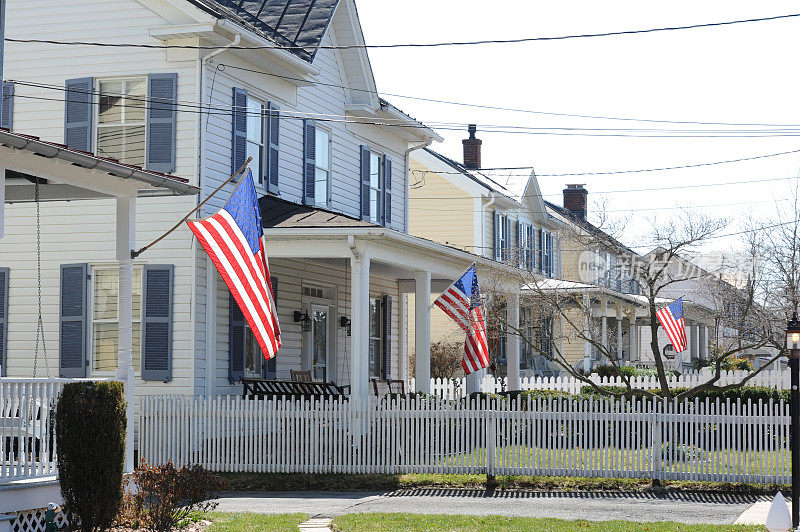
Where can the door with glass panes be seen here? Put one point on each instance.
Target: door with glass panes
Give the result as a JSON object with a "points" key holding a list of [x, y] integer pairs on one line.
{"points": [[319, 344]]}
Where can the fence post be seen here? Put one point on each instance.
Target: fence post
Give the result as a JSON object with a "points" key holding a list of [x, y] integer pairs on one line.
{"points": [[656, 440], [491, 436]]}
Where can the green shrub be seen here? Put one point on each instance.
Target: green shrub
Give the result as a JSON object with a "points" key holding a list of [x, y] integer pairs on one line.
{"points": [[745, 393], [90, 438], [167, 496]]}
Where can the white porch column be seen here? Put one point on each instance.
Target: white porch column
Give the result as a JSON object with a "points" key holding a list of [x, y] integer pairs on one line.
{"points": [[126, 241], [422, 331], [2, 200], [513, 343], [619, 333], [359, 327], [587, 333], [704, 342], [634, 339], [693, 342], [211, 328], [603, 327]]}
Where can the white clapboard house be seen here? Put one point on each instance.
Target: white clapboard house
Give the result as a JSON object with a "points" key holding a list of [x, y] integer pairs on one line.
{"points": [[199, 86]]}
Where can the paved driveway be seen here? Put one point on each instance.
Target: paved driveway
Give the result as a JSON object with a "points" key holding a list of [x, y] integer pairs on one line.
{"points": [[709, 508]]}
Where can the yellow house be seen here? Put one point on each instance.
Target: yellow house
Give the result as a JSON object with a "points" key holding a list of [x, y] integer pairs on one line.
{"points": [[511, 232]]}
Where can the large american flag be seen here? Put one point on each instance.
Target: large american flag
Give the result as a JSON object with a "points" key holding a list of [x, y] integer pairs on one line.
{"points": [[462, 302], [234, 239], [671, 318]]}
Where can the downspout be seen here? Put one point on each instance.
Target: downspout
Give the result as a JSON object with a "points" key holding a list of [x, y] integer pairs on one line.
{"points": [[211, 275], [492, 198], [406, 160]]}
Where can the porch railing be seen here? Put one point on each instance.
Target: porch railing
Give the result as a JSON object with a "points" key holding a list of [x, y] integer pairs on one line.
{"points": [[27, 427]]}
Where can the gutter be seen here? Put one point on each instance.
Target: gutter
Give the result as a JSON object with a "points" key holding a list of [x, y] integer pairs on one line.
{"points": [[93, 163], [406, 161]]}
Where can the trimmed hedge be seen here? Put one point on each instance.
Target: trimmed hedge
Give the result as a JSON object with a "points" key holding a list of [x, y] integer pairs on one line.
{"points": [[90, 437], [745, 393]]}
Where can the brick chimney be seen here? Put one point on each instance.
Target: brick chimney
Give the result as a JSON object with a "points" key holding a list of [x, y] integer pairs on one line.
{"points": [[472, 149], [575, 200]]}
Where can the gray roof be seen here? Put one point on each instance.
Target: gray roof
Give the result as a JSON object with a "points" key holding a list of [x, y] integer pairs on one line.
{"points": [[300, 24], [276, 212]]}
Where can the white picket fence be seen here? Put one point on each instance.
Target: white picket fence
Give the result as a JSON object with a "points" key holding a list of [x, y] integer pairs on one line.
{"points": [[456, 388], [708, 441]]}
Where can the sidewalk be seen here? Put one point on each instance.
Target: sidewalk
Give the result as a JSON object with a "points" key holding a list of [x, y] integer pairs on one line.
{"points": [[710, 508]]}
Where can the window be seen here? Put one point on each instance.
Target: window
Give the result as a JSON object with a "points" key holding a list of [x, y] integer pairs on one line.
{"points": [[375, 189], [526, 243], [375, 338], [323, 167], [256, 118], [502, 237], [105, 318], [121, 124], [253, 358]]}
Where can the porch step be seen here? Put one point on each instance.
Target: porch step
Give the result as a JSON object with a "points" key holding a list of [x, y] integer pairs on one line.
{"points": [[29, 494], [316, 525]]}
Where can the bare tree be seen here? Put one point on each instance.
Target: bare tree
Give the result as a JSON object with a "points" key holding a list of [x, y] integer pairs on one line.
{"points": [[571, 304]]}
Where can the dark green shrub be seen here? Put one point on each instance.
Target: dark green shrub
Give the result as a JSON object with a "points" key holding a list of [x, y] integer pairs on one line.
{"points": [[90, 437], [745, 393]]}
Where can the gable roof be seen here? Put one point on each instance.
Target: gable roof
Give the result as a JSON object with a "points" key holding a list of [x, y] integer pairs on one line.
{"points": [[588, 227], [483, 178], [299, 25], [277, 212]]}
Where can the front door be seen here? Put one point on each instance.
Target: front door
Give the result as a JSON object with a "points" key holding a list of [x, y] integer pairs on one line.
{"points": [[319, 342]]}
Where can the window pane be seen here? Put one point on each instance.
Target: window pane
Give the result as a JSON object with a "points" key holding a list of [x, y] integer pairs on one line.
{"points": [[374, 171], [323, 149], [135, 106], [111, 102], [252, 354], [320, 344], [106, 336], [374, 358], [374, 206], [106, 291], [254, 151], [374, 318], [321, 187], [255, 131]]}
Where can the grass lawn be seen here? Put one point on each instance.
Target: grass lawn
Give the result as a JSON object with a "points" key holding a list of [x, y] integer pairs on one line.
{"points": [[226, 522], [465, 523]]}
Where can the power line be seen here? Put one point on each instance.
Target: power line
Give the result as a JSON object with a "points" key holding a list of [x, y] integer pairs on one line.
{"points": [[610, 172], [420, 45], [509, 109], [631, 133], [623, 191]]}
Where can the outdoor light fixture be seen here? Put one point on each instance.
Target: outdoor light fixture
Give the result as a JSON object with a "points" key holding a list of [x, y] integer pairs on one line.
{"points": [[344, 321], [303, 319], [793, 345]]}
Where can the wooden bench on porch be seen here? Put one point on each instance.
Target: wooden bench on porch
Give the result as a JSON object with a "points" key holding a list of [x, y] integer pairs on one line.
{"points": [[276, 389]]}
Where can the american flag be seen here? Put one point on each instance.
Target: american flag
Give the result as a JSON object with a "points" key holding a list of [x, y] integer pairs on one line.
{"points": [[671, 318], [462, 302], [233, 238]]}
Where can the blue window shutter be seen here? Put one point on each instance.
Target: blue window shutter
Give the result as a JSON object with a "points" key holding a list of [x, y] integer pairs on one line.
{"points": [[531, 246], [7, 118], [157, 294], [78, 114], [540, 250], [309, 160], [273, 141], [387, 190], [271, 367], [364, 172], [236, 332], [4, 273], [239, 127], [387, 337], [74, 317], [520, 244], [498, 221], [162, 118]]}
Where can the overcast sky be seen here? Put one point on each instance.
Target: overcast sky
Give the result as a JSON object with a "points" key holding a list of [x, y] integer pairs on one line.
{"points": [[736, 74]]}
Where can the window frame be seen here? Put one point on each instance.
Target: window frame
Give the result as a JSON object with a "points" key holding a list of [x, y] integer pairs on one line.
{"points": [[249, 336], [327, 199], [379, 362], [93, 268], [377, 216], [260, 180], [98, 82]]}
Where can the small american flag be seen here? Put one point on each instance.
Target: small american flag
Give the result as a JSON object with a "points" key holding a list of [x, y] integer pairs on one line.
{"points": [[462, 302], [671, 318], [233, 238]]}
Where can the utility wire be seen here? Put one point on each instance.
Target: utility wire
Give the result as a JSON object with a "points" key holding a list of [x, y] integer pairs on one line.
{"points": [[421, 45]]}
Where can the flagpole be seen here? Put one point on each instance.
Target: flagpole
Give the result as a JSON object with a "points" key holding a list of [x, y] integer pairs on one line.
{"points": [[451, 285], [241, 169]]}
